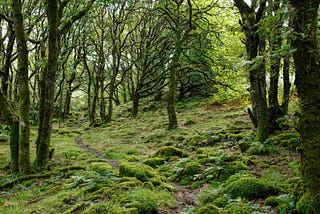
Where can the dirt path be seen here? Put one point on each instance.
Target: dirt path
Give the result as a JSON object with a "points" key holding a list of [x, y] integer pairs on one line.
{"points": [[98, 154]]}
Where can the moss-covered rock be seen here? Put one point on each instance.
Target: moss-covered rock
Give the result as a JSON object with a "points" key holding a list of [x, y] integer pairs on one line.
{"points": [[140, 171], [167, 152], [249, 188], [154, 162], [208, 209], [192, 168], [101, 167], [147, 201], [221, 201], [272, 201], [238, 208]]}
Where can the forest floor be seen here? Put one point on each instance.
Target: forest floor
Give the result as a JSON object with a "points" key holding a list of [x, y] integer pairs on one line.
{"points": [[210, 164]]}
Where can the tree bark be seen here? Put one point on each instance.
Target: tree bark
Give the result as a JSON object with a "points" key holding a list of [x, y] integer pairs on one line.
{"points": [[307, 81], [47, 88], [23, 89], [286, 85], [250, 19]]}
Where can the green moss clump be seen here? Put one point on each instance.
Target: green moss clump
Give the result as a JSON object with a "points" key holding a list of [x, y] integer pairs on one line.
{"points": [[101, 167], [238, 208], [154, 162], [169, 151], [192, 168], [249, 188], [140, 171], [147, 201], [221, 201], [272, 201], [308, 204], [189, 122], [208, 209]]}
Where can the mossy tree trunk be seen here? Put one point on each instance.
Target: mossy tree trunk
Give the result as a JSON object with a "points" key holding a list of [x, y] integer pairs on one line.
{"points": [[286, 85], [23, 89], [257, 76], [307, 81], [47, 88], [12, 119], [171, 99]]}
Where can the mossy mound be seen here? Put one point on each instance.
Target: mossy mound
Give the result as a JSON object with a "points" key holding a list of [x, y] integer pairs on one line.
{"points": [[238, 208], [140, 171], [249, 188], [167, 152], [192, 168], [154, 162], [221, 201], [146, 201], [208, 209], [101, 167]]}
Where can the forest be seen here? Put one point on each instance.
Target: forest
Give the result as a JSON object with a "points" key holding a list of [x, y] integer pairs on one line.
{"points": [[159, 106]]}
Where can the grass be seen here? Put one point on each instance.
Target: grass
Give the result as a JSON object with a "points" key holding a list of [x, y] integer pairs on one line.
{"points": [[208, 133]]}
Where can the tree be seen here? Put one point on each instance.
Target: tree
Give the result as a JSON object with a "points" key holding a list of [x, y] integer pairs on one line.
{"points": [[182, 18], [307, 81], [57, 27], [23, 89], [250, 18]]}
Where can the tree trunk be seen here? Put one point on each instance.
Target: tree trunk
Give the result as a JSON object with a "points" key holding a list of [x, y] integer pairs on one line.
{"points": [[171, 99], [23, 89], [286, 85], [306, 59], [13, 121], [250, 19], [135, 104], [47, 88], [110, 99]]}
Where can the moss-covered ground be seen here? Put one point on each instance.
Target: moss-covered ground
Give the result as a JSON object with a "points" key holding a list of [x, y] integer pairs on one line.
{"points": [[210, 164]]}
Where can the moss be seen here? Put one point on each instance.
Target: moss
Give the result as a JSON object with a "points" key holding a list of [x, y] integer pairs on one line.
{"points": [[221, 201], [169, 151], [140, 171], [72, 154], [192, 168], [272, 201], [189, 122], [208, 209], [147, 201], [273, 176], [238, 208], [101, 167], [154, 162], [258, 148], [249, 188], [308, 204]]}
